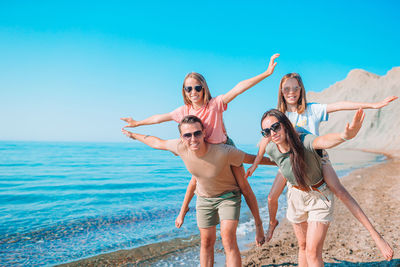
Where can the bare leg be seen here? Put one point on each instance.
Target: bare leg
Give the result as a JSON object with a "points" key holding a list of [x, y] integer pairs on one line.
{"points": [[207, 237], [316, 233], [273, 196], [338, 189], [228, 234], [300, 230]]}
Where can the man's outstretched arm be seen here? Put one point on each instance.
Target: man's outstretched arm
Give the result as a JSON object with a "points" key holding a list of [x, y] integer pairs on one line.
{"points": [[151, 141]]}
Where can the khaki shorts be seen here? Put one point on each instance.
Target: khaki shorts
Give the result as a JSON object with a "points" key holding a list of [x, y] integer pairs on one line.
{"points": [[309, 206], [210, 210]]}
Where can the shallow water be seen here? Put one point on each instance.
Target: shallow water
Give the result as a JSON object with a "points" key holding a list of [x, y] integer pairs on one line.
{"points": [[60, 202]]}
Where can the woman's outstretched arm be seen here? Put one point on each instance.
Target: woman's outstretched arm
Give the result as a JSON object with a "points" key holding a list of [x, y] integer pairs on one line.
{"points": [[243, 86], [155, 119], [334, 139], [347, 105]]}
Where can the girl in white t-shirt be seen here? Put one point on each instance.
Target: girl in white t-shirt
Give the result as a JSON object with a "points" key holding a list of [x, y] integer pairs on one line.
{"points": [[308, 116]]}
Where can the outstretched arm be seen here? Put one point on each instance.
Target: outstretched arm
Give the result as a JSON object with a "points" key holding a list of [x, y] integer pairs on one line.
{"points": [[185, 205], [159, 118], [243, 86], [151, 141], [347, 105], [261, 151], [334, 139]]}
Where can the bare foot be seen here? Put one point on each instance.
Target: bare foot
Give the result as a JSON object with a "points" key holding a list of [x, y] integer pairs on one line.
{"points": [[385, 248], [271, 229], [260, 238]]}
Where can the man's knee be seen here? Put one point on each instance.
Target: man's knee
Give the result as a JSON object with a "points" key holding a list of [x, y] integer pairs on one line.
{"points": [[229, 243], [207, 241]]}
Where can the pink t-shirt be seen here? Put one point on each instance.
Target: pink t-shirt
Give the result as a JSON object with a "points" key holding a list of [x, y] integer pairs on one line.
{"points": [[210, 115]]}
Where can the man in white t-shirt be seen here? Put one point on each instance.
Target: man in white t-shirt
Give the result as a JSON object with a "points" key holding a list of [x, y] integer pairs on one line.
{"points": [[218, 191]]}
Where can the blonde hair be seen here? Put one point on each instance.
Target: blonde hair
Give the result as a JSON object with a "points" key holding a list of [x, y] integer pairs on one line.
{"points": [[198, 77], [301, 103]]}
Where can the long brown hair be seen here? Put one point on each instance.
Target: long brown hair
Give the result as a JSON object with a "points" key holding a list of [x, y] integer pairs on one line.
{"points": [[301, 102], [197, 76], [296, 152]]}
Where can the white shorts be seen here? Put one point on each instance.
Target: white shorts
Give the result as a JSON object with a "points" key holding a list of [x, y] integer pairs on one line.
{"points": [[309, 206]]}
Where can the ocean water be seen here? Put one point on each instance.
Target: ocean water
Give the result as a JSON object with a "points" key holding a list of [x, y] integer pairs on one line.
{"points": [[61, 202]]}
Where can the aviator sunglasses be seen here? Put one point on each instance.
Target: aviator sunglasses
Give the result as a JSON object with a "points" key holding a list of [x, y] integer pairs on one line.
{"points": [[196, 134], [274, 127], [198, 88]]}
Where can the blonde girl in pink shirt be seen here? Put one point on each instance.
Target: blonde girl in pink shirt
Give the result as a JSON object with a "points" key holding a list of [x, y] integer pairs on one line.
{"points": [[198, 102]]}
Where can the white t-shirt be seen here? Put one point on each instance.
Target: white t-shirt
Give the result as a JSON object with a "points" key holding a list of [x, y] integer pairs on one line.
{"points": [[310, 118]]}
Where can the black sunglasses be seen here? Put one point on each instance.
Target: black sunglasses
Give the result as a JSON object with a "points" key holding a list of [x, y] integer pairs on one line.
{"points": [[198, 88], [274, 127], [196, 134]]}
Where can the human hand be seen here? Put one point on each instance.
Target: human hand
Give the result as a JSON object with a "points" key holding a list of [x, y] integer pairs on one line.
{"points": [[384, 102], [180, 219], [351, 130], [131, 122], [272, 64], [260, 238], [128, 133], [250, 171]]}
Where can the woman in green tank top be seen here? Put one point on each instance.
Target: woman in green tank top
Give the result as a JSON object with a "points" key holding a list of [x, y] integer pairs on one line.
{"points": [[310, 201]]}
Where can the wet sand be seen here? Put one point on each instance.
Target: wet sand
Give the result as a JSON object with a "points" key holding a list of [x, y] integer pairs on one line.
{"points": [[377, 190]]}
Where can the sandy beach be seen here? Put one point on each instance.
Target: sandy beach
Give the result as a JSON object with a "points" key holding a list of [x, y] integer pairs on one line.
{"points": [[377, 190]]}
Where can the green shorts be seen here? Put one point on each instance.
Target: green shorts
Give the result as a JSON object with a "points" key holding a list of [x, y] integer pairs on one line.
{"points": [[210, 210]]}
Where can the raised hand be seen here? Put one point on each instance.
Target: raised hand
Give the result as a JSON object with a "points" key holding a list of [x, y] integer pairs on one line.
{"points": [[384, 102], [272, 64], [351, 130], [131, 122]]}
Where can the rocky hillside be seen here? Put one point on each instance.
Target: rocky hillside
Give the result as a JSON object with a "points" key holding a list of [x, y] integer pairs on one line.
{"points": [[381, 129]]}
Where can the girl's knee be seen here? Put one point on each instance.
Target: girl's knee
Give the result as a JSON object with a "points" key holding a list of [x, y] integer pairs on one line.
{"points": [[313, 252]]}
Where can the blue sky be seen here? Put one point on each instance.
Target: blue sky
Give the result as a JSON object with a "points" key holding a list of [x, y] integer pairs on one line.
{"points": [[70, 70]]}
